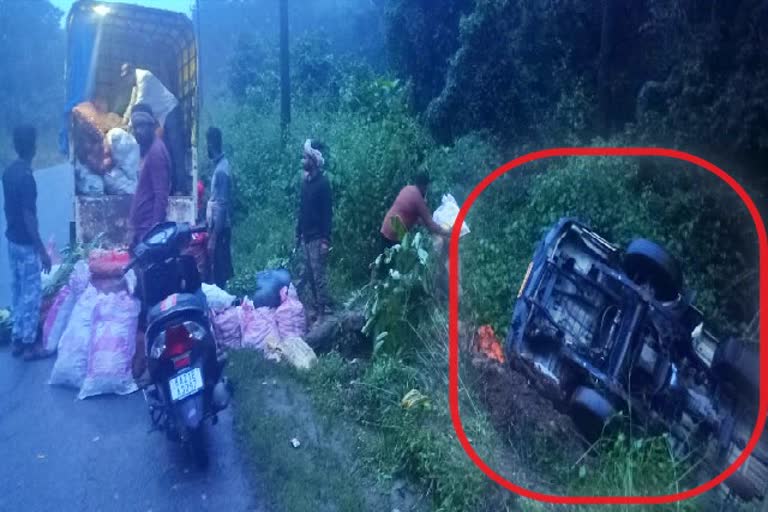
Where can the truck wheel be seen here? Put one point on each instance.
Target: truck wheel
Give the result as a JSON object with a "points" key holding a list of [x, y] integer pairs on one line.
{"points": [[648, 263], [590, 411]]}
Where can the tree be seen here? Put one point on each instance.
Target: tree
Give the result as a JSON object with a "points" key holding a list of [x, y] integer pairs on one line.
{"points": [[422, 35], [32, 53]]}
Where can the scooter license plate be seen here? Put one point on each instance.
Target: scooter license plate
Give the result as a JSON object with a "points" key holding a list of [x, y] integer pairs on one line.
{"points": [[186, 384]]}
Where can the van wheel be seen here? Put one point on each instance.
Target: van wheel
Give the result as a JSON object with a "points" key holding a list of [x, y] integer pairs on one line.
{"points": [[648, 263], [738, 363], [590, 411]]}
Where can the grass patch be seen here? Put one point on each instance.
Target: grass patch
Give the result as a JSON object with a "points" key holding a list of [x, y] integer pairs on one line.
{"points": [[320, 474]]}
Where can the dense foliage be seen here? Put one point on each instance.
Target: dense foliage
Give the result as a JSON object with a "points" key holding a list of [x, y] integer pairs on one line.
{"points": [[31, 77]]}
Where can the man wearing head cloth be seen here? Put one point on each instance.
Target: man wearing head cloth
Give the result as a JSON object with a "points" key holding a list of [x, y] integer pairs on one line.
{"points": [[150, 202], [314, 226]]}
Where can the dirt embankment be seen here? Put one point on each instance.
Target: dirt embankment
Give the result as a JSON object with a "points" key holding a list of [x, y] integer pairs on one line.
{"points": [[540, 437]]}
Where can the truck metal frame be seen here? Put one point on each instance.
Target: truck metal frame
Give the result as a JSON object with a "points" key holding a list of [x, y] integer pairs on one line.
{"points": [[101, 37]]}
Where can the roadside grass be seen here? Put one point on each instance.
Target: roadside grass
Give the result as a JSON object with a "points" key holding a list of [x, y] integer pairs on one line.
{"points": [[366, 425], [271, 410]]}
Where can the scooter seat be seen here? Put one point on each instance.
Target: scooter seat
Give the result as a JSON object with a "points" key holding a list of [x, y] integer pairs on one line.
{"points": [[174, 304]]}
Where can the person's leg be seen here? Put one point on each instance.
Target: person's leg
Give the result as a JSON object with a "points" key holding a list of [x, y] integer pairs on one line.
{"points": [[16, 328], [30, 297], [223, 259], [319, 264], [139, 362], [309, 274]]}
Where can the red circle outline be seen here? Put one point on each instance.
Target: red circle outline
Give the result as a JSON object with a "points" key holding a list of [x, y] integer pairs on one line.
{"points": [[453, 312]]}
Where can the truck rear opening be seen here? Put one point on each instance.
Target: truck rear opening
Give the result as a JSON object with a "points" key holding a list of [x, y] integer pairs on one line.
{"points": [[102, 37]]}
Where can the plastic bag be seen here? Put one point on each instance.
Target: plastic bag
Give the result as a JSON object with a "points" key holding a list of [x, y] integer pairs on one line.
{"points": [[123, 176], [218, 299], [87, 183], [72, 361], [49, 279], [52, 251], [152, 92], [268, 285], [446, 214], [289, 316], [80, 277], [258, 324], [56, 319], [108, 263], [294, 350], [487, 344], [112, 346], [226, 326]]}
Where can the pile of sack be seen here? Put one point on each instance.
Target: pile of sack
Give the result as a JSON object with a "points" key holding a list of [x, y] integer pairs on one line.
{"points": [[92, 326], [272, 321], [107, 153]]}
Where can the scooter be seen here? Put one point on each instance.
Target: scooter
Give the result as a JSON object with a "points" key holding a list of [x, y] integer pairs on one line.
{"points": [[184, 362]]}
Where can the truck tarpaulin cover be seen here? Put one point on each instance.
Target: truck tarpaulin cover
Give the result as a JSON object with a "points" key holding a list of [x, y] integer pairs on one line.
{"points": [[82, 39]]}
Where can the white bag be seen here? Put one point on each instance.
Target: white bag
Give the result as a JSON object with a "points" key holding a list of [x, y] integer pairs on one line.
{"points": [[294, 350], [152, 92], [88, 183], [58, 318], [72, 360], [112, 346], [123, 176], [446, 214], [80, 277], [49, 279], [258, 325], [218, 299]]}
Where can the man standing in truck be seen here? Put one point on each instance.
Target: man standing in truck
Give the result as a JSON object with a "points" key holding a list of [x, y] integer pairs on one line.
{"points": [[26, 251], [150, 203]]}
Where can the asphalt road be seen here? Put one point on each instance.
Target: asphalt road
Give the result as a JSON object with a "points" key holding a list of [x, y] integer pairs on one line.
{"points": [[60, 453]]}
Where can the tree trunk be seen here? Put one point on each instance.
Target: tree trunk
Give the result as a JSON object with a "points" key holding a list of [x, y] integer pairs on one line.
{"points": [[285, 75], [603, 65]]}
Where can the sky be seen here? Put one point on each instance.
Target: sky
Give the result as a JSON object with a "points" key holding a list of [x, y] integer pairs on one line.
{"points": [[171, 5]]}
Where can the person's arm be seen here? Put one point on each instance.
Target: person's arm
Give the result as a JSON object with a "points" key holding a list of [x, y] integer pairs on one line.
{"points": [[131, 103], [325, 207], [299, 227], [160, 175], [30, 222], [426, 218]]}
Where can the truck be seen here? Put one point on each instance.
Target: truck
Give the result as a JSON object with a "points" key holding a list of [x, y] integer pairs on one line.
{"points": [[101, 38]]}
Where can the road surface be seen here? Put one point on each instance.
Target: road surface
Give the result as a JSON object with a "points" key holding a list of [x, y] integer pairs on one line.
{"points": [[59, 453]]}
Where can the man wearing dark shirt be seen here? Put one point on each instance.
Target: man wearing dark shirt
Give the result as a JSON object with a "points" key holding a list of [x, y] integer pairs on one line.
{"points": [[219, 212], [26, 252], [150, 202], [314, 225]]}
